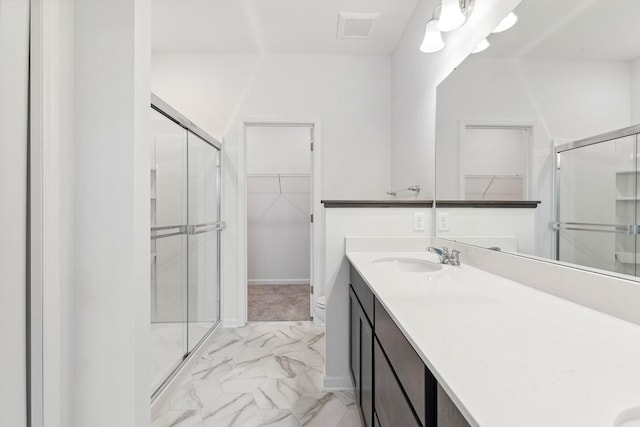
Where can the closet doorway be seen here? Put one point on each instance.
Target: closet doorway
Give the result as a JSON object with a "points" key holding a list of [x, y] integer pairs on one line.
{"points": [[279, 165]]}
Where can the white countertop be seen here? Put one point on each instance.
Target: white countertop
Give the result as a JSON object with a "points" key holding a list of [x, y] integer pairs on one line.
{"points": [[509, 355]]}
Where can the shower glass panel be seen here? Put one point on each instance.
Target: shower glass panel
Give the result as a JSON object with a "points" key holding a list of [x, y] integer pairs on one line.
{"points": [[185, 240], [204, 217], [169, 261], [597, 205]]}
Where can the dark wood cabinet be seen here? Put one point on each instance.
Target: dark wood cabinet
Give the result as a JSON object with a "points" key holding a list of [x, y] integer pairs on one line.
{"points": [[354, 342], [366, 372], [393, 387], [361, 357], [392, 407]]}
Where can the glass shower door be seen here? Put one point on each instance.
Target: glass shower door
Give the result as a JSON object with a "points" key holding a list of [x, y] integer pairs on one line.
{"points": [[169, 261], [204, 239], [597, 205]]}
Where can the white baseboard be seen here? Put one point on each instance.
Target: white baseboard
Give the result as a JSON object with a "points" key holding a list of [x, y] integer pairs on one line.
{"points": [[279, 281], [232, 323], [337, 383]]}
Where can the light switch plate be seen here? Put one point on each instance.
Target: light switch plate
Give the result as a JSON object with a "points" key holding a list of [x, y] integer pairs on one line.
{"points": [[418, 221], [443, 221]]}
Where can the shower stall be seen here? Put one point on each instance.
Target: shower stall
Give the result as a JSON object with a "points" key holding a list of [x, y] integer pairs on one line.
{"points": [[596, 213], [185, 239]]}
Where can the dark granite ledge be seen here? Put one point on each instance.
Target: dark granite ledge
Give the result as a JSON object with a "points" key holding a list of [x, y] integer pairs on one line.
{"points": [[512, 204], [377, 203]]}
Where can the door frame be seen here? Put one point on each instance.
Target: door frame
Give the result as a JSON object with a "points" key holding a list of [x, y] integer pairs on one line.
{"points": [[317, 226]]}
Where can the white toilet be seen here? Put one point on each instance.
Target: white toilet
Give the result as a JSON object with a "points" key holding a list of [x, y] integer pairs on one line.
{"points": [[319, 315]]}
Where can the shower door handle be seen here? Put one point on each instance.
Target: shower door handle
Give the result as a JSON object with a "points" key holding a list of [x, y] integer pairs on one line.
{"points": [[206, 227], [170, 230]]}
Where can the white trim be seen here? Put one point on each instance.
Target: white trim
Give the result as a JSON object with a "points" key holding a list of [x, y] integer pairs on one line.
{"points": [[37, 391], [268, 282], [336, 383], [527, 125], [232, 323], [317, 211], [51, 204]]}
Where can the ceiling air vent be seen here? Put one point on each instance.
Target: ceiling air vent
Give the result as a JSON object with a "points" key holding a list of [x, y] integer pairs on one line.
{"points": [[356, 25]]}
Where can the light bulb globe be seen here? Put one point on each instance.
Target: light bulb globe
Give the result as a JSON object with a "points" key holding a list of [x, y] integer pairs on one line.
{"points": [[432, 38]]}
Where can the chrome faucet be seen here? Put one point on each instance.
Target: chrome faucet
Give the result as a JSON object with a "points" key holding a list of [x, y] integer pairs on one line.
{"points": [[446, 257]]}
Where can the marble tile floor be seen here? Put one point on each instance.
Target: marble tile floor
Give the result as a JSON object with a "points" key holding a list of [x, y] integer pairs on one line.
{"points": [[263, 374], [168, 346]]}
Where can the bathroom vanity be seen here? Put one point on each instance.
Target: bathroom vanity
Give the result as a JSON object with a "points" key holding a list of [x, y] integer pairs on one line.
{"points": [[436, 345]]}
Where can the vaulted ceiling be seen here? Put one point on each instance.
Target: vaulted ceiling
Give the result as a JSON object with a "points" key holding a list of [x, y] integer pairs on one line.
{"points": [[564, 29], [273, 26]]}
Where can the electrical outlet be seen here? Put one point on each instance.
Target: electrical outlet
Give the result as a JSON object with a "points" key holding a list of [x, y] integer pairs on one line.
{"points": [[443, 221], [418, 221]]}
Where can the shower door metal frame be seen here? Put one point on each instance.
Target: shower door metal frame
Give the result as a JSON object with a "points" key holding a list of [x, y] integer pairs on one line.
{"points": [[556, 224], [175, 116]]}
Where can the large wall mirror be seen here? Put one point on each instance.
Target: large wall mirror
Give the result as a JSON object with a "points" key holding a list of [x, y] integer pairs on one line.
{"points": [[566, 71]]}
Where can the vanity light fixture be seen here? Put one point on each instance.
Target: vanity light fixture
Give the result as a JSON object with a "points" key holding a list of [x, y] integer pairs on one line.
{"points": [[483, 45], [452, 15], [432, 38], [506, 23]]}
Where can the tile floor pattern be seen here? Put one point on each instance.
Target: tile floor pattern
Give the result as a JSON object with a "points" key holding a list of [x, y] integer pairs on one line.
{"points": [[263, 374], [168, 346]]}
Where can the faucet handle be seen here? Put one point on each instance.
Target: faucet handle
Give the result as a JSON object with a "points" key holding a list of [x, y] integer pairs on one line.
{"points": [[455, 257]]}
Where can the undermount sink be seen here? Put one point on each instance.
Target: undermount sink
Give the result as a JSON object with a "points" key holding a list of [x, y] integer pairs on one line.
{"points": [[629, 418], [410, 265]]}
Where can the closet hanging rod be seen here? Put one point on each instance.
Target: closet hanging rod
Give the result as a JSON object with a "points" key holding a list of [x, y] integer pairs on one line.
{"points": [[517, 176], [276, 175]]}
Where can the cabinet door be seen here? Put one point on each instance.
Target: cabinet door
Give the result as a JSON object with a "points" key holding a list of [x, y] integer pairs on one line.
{"points": [[354, 342], [406, 363], [366, 370], [393, 409]]}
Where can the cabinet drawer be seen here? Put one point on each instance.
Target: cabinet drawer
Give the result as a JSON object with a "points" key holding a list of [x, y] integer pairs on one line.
{"points": [[392, 408], [363, 292], [405, 361]]}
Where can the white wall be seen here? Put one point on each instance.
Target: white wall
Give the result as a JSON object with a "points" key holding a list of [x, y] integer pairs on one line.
{"points": [[340, 223], [111, 213], [349, 95], [414, 77], [536, 91], [509, 229], [14, 66], [635, 91], [563, 100]]}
